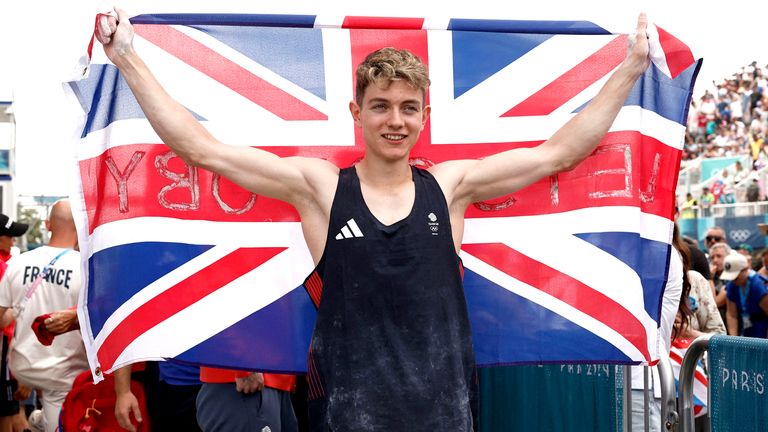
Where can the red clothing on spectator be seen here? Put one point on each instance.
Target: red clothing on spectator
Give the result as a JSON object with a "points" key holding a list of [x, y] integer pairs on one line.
{"points": [[275, 381]]}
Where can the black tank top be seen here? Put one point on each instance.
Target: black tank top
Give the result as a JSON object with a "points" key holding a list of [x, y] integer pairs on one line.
{"points": [[391, 349]]}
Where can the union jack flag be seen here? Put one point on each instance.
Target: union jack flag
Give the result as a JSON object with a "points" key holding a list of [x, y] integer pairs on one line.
{"points": [[181, 263]]}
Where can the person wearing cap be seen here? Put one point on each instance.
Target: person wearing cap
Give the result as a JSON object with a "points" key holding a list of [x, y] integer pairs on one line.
{"points": [[9, 230], [747, 309], [9, 406]]}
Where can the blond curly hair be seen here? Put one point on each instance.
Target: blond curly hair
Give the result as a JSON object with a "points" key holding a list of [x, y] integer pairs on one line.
{"points": [[389, 64]]}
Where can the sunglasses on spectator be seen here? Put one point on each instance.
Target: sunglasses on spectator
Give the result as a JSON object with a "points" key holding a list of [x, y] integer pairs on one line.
{"points": [[713, 238]]}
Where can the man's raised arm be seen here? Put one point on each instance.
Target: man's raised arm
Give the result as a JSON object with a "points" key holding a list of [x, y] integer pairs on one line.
{"points": [[256, 170], [506, 172]]}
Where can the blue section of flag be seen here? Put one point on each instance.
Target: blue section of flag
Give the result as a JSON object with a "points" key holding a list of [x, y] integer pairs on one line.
{"points": [[119, 272], [294, 54], [676, 92], [504, 327], [519, 26], [258, 20], [648, 258], [259, 340], [106, 97], [673, 104], [476, 56]]}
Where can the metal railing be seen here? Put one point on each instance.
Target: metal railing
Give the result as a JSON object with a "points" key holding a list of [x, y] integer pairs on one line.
{"points": [[685, 401], [726, 210], [691, 179], [669, 411], [669, 414]]}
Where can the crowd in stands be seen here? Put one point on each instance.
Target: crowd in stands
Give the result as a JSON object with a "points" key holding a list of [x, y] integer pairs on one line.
{"points": [[732, 120]]}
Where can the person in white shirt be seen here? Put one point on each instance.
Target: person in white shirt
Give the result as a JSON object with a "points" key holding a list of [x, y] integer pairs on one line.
{"points": [[52, 274]]}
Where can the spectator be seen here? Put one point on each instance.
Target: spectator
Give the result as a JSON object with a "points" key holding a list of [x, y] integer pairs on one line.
{"points": [[756, 147], [714, 235], [753, 188], [699, 260], [747, 299], [707, 199], [171, 396], [739, 173], [705, 318], [688, 210], [241, 401], [9, 405], [50, 278], [717, 254]]}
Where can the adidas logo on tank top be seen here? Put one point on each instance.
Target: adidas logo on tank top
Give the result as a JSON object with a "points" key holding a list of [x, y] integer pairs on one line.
{"points": [[349, 230]]}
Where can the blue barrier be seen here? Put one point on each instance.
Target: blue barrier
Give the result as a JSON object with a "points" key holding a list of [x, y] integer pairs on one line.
{"points": [[573, 397], [738, 400], [551, 398]]}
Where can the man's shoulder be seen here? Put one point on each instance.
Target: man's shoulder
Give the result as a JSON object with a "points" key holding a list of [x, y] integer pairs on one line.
{"points": [[43, 253]]}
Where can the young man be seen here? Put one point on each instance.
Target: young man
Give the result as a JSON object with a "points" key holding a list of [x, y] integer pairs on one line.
{"points": [[391, 348]]}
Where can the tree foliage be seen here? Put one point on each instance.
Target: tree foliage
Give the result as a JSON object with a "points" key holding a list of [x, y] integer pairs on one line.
{"points": [[31, 217]]}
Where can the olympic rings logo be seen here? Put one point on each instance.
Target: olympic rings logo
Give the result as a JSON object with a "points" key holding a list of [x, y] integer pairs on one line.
{"points": [[739, 235]]}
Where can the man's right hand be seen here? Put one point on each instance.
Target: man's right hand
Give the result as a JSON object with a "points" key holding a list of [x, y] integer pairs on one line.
{"points": [[116, 34], [126, 404], [250, 384]]}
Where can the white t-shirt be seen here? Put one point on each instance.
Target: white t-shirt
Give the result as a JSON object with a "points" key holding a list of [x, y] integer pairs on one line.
{"points": [[51, 367]]}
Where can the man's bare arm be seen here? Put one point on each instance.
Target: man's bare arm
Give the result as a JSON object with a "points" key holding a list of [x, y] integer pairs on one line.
{"points": [[126, 404], [506, 172], [256, 170]]}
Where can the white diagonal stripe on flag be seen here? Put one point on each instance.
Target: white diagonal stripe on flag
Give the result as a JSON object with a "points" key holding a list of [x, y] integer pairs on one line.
{"points": [[543, 299], [235, 301]]}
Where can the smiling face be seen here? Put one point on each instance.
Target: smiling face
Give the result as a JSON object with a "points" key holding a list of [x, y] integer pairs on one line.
{"points": [[392, 115]]}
